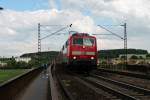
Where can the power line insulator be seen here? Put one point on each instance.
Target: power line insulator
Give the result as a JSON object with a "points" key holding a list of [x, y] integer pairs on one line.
{"points": [[70, 25], [1, 8]]}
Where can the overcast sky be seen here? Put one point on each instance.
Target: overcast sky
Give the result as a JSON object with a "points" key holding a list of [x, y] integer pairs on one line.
{"points": [[19, 19]]}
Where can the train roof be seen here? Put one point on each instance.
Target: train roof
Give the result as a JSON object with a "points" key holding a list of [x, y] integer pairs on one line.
{"points": [[77, 34], [80, 34]]}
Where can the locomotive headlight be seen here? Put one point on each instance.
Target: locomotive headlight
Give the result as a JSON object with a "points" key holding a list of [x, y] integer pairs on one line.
{"points": [[74, 57], [92, 58]]}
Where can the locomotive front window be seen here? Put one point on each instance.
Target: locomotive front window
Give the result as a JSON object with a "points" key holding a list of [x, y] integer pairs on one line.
{"points": [[84, 41], [88, 41], [78, 41]]}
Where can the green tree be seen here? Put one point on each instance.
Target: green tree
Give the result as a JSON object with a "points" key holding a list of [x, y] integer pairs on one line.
{"points": [[11, 63], [141, 57], [148, 56], [122, 57], [33, 63], [134, 57], [21, 64]]}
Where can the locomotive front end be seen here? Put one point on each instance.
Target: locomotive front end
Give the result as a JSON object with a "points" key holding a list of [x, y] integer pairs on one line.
{"points": [[83, 51]]}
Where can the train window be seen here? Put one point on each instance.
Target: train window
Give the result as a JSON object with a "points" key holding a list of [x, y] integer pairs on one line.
{"points": [[78, 41], [63, 48], [84, 41], [88, 41], [66, 43]]}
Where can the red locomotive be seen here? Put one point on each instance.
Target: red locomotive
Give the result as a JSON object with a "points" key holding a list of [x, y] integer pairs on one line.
{"points": [[80, 52]]}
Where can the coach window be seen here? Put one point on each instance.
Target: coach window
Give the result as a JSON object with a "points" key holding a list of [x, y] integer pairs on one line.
{"points": [[66, 43]]}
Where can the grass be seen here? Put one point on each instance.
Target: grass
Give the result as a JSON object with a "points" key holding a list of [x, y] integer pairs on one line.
{"points": [[8, 74]]}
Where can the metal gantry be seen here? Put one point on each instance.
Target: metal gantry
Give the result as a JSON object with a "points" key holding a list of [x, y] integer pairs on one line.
{"points": [[39, 43], [121, 37], [125, 44], [41, 38]]}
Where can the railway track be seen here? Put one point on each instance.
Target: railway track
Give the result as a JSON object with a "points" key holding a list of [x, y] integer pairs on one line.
{"points": [[115, 89], [58, 87], [127, 73], [115, 94], [144, 83], [100, 88], [75, 86], [64, 89], [122, 90]]}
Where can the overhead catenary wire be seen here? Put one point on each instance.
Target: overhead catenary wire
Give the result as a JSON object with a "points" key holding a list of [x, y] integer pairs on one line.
{"points": [[123, 38], [52, 25], [102, 34], [56, 32], [53, 33], [1, 8], [111, 32]]}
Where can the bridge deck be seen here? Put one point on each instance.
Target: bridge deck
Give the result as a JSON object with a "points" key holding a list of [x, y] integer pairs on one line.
{"points": [[37, 90]]}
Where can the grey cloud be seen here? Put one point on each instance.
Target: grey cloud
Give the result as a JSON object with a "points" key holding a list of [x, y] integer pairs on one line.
{"points": [[20, 29], [136, 13]]}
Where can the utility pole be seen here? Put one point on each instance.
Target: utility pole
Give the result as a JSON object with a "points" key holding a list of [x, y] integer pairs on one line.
{"points": [[39, 43], [39, 38], [125, 45], [125, 40]]}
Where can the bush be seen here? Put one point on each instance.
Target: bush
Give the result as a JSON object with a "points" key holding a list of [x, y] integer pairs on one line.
{"points": [[148, 56], [33, 63], [134, 57], [12, 64], [141, 57]]}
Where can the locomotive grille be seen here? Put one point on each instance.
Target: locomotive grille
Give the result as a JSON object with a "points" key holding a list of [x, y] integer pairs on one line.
{"points": [[82, 53], [76, 52], [90, 53]]}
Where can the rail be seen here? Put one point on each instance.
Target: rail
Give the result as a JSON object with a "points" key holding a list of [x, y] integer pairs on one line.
{"points": [[63, 88], [129, 86], [109, 89], [54, 92], [127, 73]]}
